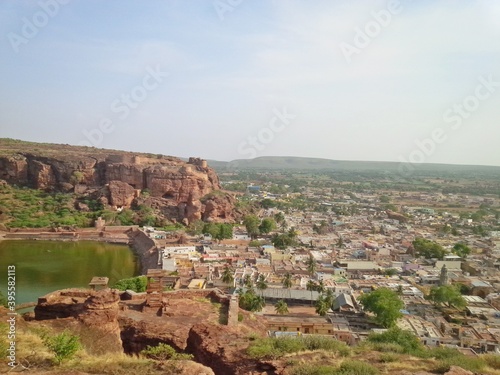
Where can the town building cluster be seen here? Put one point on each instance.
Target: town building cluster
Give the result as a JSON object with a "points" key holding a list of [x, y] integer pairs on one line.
{"points": [[358, 252]]}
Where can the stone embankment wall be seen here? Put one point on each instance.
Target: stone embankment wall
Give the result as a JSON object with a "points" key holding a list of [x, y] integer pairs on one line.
{"points": [[107, 234], [146, 250]]}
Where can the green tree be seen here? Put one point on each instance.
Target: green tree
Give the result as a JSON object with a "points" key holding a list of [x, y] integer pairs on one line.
{"points": [[280, 241], [311, 265], [340, 242], [390, 272], [261, 284], [225, 232], [279, 217], [287, 280], [462, 250], [321, 305], [267, 203], [384, 199], [64, 346], [428, 249], [385, 304], [400, 290], [329, 297], [281, 307], [218, 231], [196, 227], [283, 226], [212, 229], [448, 295], [320, 287], [250, 301], [311, 286], [126, 217], [227, 276], [252, 223], [267, 225], [137, 284], [247, 281], [292, 234]]}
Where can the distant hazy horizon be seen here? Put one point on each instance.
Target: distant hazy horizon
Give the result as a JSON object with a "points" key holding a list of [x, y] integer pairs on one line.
{"points": [[397, 81]]}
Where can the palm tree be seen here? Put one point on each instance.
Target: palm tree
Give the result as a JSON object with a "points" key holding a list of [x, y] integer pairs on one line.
{"points": [[279, 217], [259, 303], [287, 282], [251, 301], [247, 281], [311, 265], [340, 242], [283, 226], [227, 276], [320, 287], [400, 290], [329, 297], [281, 307], [321, 306], [311, 286], [261, 284]]}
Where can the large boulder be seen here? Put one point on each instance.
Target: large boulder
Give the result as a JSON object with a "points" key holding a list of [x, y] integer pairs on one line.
{"points": [[121, 194]]}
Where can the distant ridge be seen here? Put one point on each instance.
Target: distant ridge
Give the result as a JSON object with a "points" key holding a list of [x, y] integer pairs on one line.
{"points": [[305, 163]]}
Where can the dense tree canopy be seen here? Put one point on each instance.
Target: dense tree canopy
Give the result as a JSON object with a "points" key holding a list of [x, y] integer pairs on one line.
{"points": [[267, 225], [462, 250], [283, 240], [218, 231], [252, 223], [250, 301], [428, 249], [385, 304], [448, 295]]}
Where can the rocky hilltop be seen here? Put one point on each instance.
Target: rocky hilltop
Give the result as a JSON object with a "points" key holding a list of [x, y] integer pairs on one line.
{"points": [[181, 190]]}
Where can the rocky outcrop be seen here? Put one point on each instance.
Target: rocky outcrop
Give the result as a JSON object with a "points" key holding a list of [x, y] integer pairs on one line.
{"points": [[222, 348], [121, 194], [219, 207], [117, 178], [93, 315]]}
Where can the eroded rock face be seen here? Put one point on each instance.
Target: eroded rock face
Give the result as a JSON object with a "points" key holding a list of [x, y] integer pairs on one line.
{"points": [[116, 178], [219, 208], [222, 348], [121, 194], [93, 315]]}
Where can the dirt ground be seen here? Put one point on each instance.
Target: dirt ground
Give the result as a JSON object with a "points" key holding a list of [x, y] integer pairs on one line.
{"points": [[269, 309]]}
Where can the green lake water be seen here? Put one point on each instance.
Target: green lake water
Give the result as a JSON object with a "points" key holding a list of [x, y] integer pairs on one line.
{"points": [[45, 266]]}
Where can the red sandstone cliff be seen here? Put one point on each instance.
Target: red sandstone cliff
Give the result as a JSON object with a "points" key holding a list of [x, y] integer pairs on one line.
{"points": [[116, 177]]}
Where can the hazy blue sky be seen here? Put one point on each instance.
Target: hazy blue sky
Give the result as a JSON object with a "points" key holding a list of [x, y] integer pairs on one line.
{"points": [[228, 79]]}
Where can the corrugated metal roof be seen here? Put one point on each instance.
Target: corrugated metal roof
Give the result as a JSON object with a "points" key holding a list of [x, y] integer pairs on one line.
{"points": [[298, 294]]}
